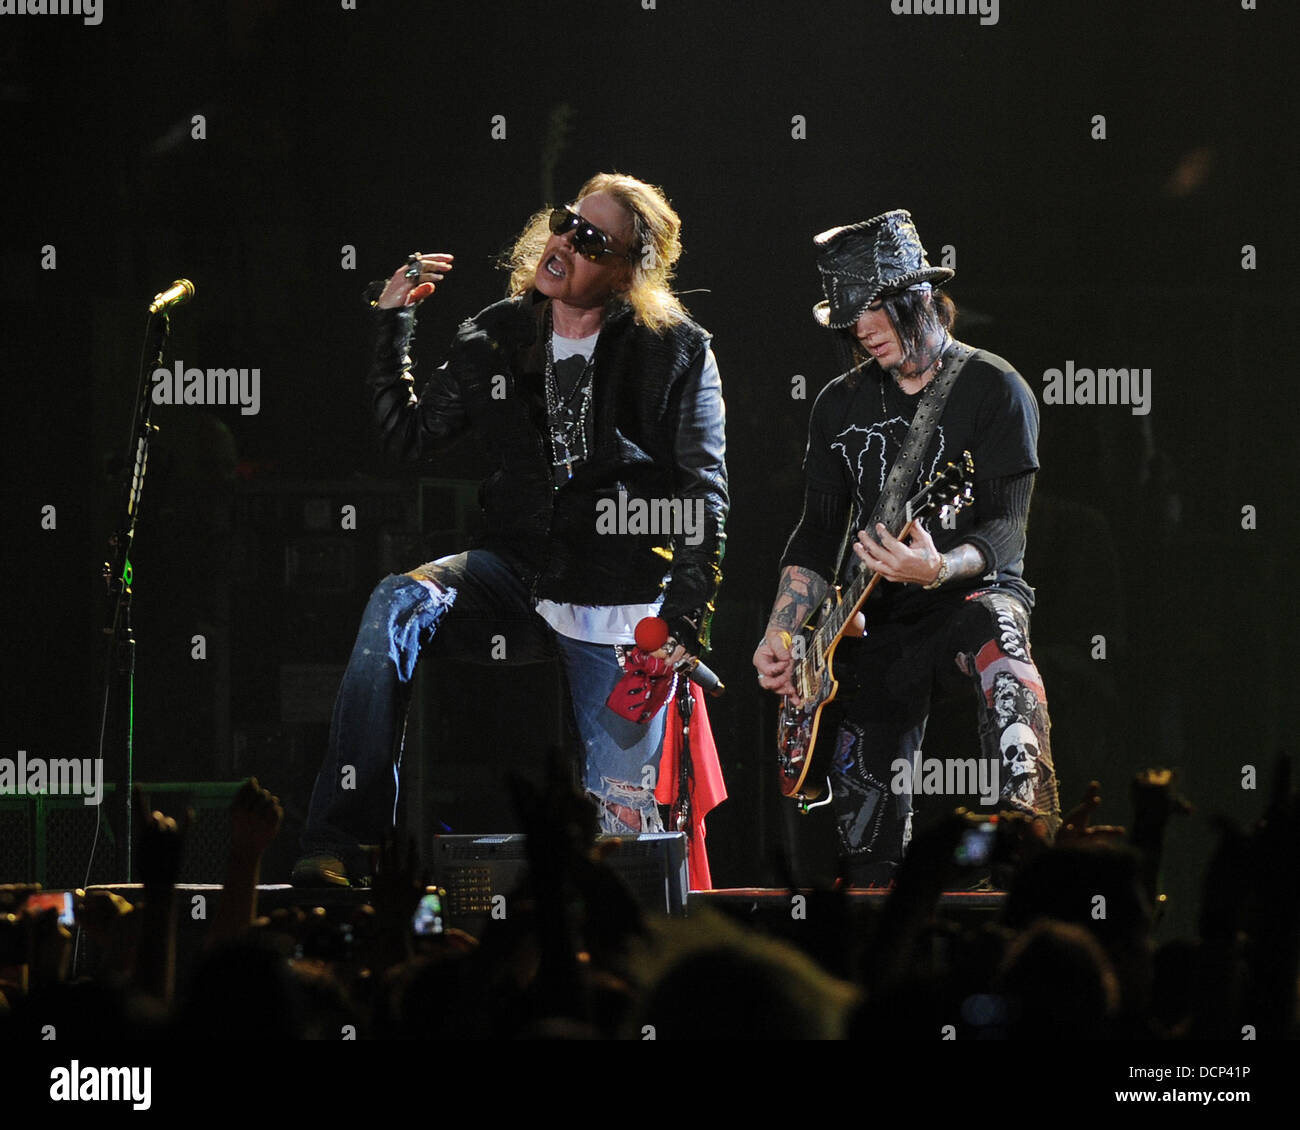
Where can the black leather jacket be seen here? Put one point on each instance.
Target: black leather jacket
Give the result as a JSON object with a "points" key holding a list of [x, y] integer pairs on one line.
{"points": [[659, 434]]}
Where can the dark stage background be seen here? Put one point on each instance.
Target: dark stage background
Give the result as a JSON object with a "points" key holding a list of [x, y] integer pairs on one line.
{"points": [[329, 128]]}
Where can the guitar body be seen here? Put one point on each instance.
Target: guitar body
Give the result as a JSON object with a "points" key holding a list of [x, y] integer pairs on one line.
{"points": [[805, 734]]}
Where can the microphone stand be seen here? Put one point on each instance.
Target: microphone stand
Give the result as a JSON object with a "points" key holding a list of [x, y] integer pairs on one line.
{"points": [[118, 572], [679, 814]]}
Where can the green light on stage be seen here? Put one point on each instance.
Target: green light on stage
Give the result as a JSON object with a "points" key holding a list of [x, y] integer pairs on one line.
{"points": [[127, 572]]}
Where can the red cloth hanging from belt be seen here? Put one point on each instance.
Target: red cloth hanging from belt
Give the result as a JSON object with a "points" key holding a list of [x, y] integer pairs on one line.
{"points": [[707, 788]]}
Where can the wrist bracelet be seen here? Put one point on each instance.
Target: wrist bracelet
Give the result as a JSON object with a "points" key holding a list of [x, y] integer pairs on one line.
{"points": [[943, 573]]}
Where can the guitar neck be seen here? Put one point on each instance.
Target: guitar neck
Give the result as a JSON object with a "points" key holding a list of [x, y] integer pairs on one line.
{"points": [[855, 596]]}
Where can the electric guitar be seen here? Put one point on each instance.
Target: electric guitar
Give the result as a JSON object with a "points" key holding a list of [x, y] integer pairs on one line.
{"points": [[803, 749]]}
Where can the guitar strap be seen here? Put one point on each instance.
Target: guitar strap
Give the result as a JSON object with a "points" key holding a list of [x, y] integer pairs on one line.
{"points": [[902, 475]]}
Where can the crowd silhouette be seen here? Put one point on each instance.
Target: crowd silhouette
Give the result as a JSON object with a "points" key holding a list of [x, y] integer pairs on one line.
{"points": [[1072, 955]]}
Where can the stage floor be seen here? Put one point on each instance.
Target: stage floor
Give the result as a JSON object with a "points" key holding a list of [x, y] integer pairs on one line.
{"points": [[273, 896]]}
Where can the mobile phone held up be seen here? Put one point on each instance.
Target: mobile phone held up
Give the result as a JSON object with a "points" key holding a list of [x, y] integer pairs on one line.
{"points": [[62, 901], [975, 848], [427, 918]]}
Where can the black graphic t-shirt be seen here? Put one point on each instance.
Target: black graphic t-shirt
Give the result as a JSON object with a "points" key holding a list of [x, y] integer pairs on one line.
{"points": [[854, 436]]}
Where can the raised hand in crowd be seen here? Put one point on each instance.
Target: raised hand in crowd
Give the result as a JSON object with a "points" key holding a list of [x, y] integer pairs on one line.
{"points": [[111, 925], [160, 842], [396, 889], [1250, 922], [1077, 823], [49, 948], [1154, 800], [255, 817]]}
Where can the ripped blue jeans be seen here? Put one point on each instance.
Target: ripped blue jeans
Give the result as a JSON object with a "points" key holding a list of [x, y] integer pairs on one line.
{"points": [[472, 607]]}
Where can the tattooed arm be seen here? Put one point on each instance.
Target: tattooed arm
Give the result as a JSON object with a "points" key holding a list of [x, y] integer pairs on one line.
{"points": [[798, 596], [808, 560], [965, 561], [800, 592]]}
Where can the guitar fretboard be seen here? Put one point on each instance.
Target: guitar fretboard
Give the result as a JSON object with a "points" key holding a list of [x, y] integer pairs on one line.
{"points": [[832, 626]]}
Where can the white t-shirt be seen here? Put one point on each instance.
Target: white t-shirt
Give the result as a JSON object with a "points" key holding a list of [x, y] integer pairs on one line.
{"points": [[590, 623]]}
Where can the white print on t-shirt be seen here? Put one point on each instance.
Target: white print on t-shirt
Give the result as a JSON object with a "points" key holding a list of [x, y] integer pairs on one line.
{"points": [[856, 443]]}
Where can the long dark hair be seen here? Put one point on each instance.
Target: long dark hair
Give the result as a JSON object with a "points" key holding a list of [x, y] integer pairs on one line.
{"points": [[914, 314]]}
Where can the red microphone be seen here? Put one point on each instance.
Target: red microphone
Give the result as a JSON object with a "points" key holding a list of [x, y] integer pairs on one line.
{"points": [[651, 633]]}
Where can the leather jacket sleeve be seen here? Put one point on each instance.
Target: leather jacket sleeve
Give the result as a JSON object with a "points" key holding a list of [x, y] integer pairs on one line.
{"points": [[410, 427], [700, 457]]}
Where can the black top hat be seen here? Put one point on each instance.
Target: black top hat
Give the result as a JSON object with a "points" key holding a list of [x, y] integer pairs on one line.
{"points": [[862, 261]]}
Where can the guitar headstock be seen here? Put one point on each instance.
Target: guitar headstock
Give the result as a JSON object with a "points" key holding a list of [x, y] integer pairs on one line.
{"points": [[954, 487]]}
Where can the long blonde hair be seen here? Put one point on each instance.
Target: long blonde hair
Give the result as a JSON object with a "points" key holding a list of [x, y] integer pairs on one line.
{"points": [[658, 247]]}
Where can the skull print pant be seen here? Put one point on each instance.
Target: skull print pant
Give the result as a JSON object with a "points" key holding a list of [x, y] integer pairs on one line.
{"points": [[877, 764]]}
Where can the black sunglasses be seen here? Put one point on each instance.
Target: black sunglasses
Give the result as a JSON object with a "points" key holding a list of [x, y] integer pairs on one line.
{"points": [[588, 240]]}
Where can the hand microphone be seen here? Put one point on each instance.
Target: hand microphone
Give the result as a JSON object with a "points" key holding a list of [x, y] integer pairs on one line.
{"points": [[652, 634], [182, 290]]}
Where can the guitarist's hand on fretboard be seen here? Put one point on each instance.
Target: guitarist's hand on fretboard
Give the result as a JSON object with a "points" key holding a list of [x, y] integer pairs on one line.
{"points": [[775, 665], [915, 561]]}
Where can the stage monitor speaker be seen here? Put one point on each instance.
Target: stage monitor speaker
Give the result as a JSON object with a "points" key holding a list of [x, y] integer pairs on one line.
{"points": [[474, 870], [47, 839]]}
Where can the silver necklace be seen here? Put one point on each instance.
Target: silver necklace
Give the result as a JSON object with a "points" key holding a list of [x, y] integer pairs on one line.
{"points": [[567, 425]]}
